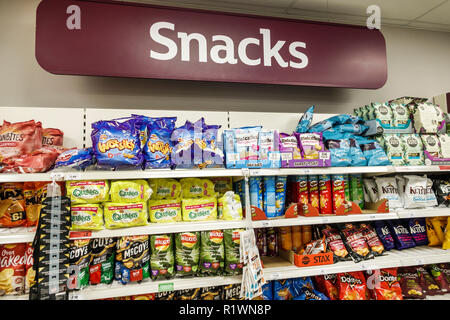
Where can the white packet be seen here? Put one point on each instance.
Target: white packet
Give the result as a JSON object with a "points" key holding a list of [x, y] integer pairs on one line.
{"points": [[388, 189], [416, 192], [401, 183], [371, 188]]}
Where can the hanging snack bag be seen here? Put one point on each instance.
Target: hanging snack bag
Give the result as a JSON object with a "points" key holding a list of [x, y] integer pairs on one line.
{"points": [[164, 189], [305, 120], [413, 149], [334, 243], [86, 217], [358, 248], [325, 194], [356, 155], [211, 253], [400, 114], [433, 239], [124, 215], [383, 113], [401, 235], [230, 207], [410, 283], [95, 191], [280, 194], [80, 256], [12, 269], [231, 238], [394, 149], [441, 188], [196, 188], [200, 209], [101, 268], [168, 210], [187, 253], [427, 282], [370, 235], [162, 258], [372, 190], [431, 145], [352, 286], [384, 234], [158, 148], [311, 144], [130, 191], [388, 189], [132, 259], [117, 144], [339, 152], [417, 228]]}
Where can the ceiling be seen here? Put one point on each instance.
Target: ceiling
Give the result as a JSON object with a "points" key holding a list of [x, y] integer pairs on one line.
{"points": [[419, 14]]}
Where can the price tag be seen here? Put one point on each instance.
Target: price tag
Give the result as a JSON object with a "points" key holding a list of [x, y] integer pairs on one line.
{"points": [[76, 296], [286, 156], [420, 261], [307, 171], [57, 175], [322, 271], [165, 287], [255, 172], [266, 224], [275, 276], [73, 176], [324, 155], [80, 234], [325, 220], [274, 156], [373, 216]]}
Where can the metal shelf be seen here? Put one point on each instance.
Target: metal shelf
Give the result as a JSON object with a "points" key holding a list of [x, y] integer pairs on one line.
{"points": [[16, 235], [21, 297], [422, 213]]}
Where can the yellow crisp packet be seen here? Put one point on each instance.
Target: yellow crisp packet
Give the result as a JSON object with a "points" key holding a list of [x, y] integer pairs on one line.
{"points": [[88, 191], [167, 210], [446, 244], [199, 209], [439, 224], [123, 215], [433, 239], [130, 191], [86, 217], [230, 207], [222, 184], [196, 188], [165, 189]]}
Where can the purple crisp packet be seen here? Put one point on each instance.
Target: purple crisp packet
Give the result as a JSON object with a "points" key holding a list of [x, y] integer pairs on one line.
{"points": [[384, 234], [311, 144], [401, 235], [417, 228], [289, 145]]}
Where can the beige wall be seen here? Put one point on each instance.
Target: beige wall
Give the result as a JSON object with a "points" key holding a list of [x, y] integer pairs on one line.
{"points": [[418, 65]]}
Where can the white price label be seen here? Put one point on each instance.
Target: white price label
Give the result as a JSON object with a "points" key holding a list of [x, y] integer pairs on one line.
{"points": [[275, 276], [373, 216], [254, 172], [324, 155], [420, 261], [274, 156], [76, 296], [73, 176], [307, 171], [286, 156], [325, 220], [266, 224]]}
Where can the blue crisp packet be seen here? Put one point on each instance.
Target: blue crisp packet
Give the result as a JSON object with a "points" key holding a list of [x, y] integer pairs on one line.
{"points": [[212, 154], [384, 234], [183, 141], [417, 228], [269, 197], [117, 144], [354, 128], [311, 295], [158, 149], [76, 159], [334, 121], [339, 152], [282, 290], [299, 285], [374, 154], [267, 291], [356, 156], [305, 121], [401, 235], [331, 134]]}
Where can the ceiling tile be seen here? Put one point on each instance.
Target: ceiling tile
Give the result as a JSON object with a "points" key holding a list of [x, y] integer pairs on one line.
{"points": [[398, 9], [439, 15]]}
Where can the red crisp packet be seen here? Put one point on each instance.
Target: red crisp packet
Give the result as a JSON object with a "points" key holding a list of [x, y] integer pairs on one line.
{"points": [[386, 285], [358, 248], [52, 137], [352, 286]]}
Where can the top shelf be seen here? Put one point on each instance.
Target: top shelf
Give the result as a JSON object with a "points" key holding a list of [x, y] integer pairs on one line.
{"points": [[184, 173]]}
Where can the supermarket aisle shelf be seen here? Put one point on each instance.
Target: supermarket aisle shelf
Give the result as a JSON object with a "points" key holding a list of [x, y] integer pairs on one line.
{"points": [[16, 235]]}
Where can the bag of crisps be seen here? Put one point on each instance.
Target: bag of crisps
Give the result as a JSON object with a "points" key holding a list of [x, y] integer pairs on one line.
{"points": [[211, 252], [196, 188], [199, 209], [231, 238], [12, 213], [433, 239], [164, 189], [130, 191], [230, 207], [352, 286], [386, 285], [162, 259], [439, 225], [132, 259], [124, 215], [187, 253], [32, 208], [446, 242], [167, 210], [88, 191], [80, 256], [86, 217]]}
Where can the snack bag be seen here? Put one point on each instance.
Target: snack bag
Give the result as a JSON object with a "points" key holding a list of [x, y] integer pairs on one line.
{"points": [[165, 295], [305, 121], [433, 239], [12, 213], [330, 285], [339, 152], [12, 269], [158, 148], [80, 256], [117, 144], [388, 189], [86, 217], [230, 207], [413, 149], [149, 296], [431, 145], [445, 270], [130, 191], [196, 188], [357, 158], [410, 283], [187, 253], [267, 291], [74, 159], [95, 191], [188, 294], [373, 152], [441, 188], [162, 258], [370, 235], [427, 282], [352, 286], [439, 277], [387, 286], [418, 192], [283, 290], [383, 113], [325, 194], [356, 243], [311, 144], [333, 121], [52, 137], [417, 228], [308, 294], [199, 209], [211, 293], [280, 194], [12, 190], [334, 242], [444, 141], [232, 292], [213, 156], [261, 241], [222, 184], [356, 190], [384, 234], [401, 235], [439, 226], [168, 210], [231, 238], [272, 242], [371, 189], [289, 147], [400, 114], [101, 267], [446, 242], [165, 189], [132, 259], [394, 149], [211, 253], [20, 138], [123, 215]]}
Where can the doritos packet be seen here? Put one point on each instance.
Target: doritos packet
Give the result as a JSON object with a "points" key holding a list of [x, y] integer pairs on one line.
{"points": [[283, 290], [387, 286], [352, 286]]}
